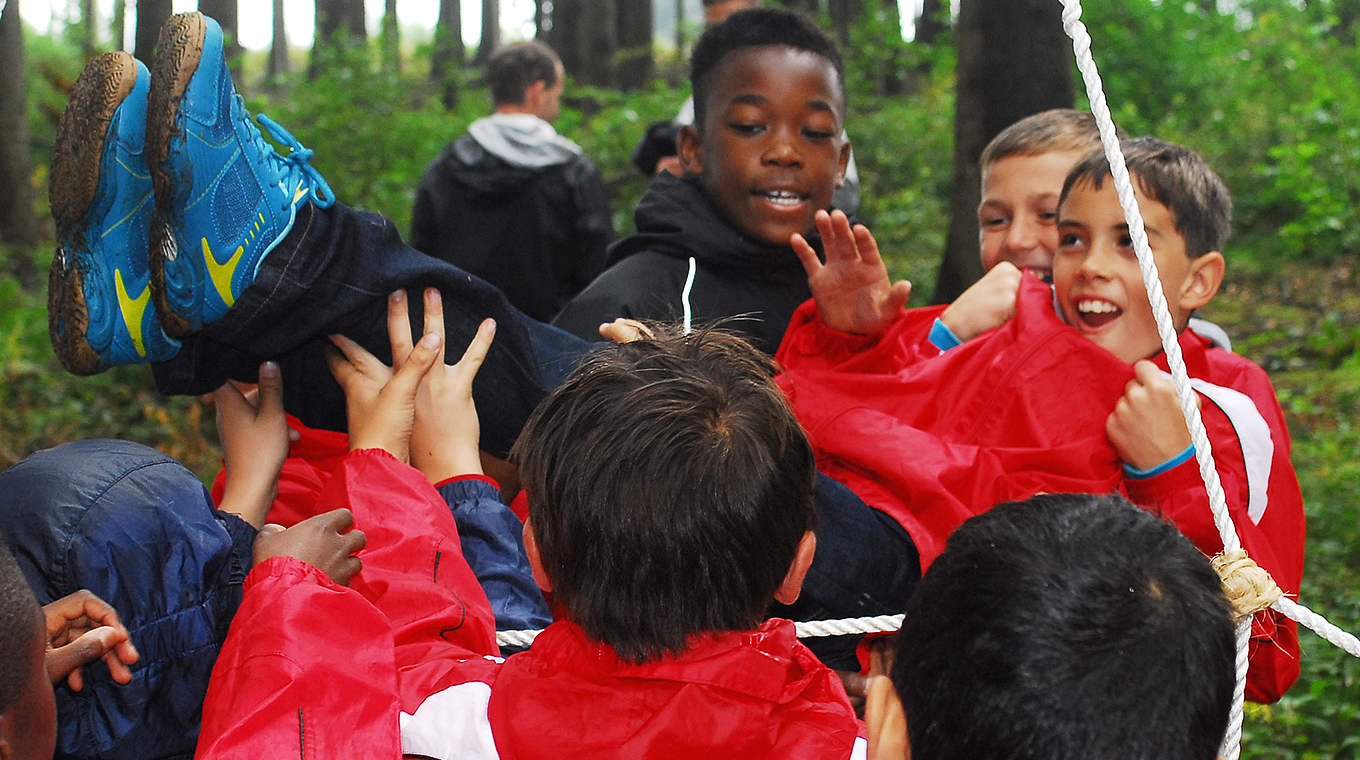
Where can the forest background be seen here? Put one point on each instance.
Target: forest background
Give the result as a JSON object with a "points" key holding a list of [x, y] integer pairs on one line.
{"points": [[1267, 90]]}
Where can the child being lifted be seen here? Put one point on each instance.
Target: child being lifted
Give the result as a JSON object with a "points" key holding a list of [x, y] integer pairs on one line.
{"points": [[1069, 394]]}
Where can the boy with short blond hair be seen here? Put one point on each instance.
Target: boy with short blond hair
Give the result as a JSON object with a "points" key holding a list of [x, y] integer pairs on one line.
{"points": [[1072, 400]]}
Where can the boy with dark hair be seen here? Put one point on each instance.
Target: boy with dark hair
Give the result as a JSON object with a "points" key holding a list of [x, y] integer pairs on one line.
{"points": [[512, 201], [689, 438], [765, 152], [1059, 628], [1070, 395]]}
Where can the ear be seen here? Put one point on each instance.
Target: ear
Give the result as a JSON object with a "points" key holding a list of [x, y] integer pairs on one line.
{"points": [[1202, 280], [533, 96], [788, 591], [843, 163], [535, 560], [885, 722], [690, 148], [6, 728]]}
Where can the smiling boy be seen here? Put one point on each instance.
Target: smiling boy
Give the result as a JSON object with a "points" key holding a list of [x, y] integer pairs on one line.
{"points": [[1072, 400], [764, 154]]}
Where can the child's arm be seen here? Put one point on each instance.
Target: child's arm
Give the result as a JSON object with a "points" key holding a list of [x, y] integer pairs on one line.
{"points": [[852, 289], [254, 434], [1251, 453]]}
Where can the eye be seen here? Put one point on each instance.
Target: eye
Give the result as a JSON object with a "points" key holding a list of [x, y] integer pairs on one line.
{"points": [[1048, 217], [817, 134], [1126, 241], [746, 128], [1069, 240], [993, 221]]}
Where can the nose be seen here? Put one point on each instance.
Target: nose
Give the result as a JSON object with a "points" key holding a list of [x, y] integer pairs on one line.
{"points": [[1098, 261], [1022, 235], [782, 151]]}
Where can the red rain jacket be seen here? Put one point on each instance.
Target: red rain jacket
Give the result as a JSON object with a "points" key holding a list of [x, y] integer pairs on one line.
{"points": [[933, 439], [403, 661]]}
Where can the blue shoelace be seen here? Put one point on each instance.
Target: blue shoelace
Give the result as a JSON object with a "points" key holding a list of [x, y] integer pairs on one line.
{"points": [[294, 166]]}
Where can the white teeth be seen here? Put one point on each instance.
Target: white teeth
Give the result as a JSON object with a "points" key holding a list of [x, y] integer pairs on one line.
{"points": [[783, 197], [1092, 306]]}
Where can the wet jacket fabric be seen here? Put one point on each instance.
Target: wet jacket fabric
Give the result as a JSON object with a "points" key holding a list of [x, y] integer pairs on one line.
{"points": [[518, 205], [409, 663], [758, 284], [933, 438], [135, 527]]}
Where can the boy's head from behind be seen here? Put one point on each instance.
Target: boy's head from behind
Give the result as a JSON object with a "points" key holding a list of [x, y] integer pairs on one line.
{"points": [[526, 75], [769, 115], [670, 492], [28, 711], [1186, 211], [1067, 627], [1023, 169]]}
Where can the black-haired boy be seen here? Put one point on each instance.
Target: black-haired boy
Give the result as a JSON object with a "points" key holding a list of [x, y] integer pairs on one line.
{"points": [[670, 501], [1059, 628], [765, 152]]}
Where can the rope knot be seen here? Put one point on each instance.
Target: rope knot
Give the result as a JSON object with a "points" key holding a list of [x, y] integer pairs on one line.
{"points": [[1249, 587]]}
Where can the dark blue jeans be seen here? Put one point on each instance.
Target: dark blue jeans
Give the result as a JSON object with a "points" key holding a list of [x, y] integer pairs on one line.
{"points": [[332, 274]]}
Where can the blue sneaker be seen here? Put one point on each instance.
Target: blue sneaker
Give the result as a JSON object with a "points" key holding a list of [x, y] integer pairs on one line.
{"points": [[98, 297], [224, 198]]}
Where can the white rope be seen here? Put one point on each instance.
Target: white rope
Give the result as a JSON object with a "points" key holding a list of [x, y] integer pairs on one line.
{"points": [[805, 630], [1081, 45]]}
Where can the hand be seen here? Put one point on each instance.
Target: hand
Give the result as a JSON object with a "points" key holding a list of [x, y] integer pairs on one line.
{"points": [[624, 330], [446, 431], [82, 628], [1147, 427], [852, 288], [323, 541], [987, 303], [381, 404], [254, 435]]}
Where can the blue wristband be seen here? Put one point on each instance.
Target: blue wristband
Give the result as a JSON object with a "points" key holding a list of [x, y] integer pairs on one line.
{"points": [[942, 337], [1171, 463]]}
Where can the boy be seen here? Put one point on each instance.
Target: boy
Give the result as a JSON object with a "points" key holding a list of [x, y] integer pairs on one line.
{"points": [[1067, 401], [765, 151], [663, 652], [1062, 627], [42, 646]]}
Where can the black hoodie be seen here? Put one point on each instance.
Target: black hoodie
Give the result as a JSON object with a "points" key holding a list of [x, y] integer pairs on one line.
{"points": [[537, 233], [758, 284]]}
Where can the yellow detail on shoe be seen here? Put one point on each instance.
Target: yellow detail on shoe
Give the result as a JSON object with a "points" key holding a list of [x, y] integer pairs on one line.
{"points": [[221, 274], [300, 192], [132, 309]]}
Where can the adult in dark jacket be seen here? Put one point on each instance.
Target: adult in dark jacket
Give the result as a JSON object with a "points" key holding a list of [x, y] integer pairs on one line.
{"points": [[734, 275], [512, 201]]}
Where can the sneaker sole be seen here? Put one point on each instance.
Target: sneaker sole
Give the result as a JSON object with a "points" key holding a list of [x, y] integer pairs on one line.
{"points": [[178, 51], [81, 132]]}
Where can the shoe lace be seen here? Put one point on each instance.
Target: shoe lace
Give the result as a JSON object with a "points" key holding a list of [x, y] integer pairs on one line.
{"points": [[293, 166]]}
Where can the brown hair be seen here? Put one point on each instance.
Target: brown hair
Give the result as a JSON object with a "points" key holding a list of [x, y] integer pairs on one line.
{"points": [[1057, 129]]}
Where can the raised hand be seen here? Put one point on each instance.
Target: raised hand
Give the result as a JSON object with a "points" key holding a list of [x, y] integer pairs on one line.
{"points": [[323, 541], [254, 434], [852, 288], [82, 628], [380, 403], [446, 432]]}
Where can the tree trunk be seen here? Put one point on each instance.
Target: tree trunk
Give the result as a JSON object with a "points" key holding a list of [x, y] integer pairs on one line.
{"points": [[561, 29], [809, 7], [118, 24], [391, 39], [844, 13], [933, 22], [279, 64], [17, 221], [679, 27], [150, 15], [599, 42], [89, 23], [491, 31], [636, 65], [1014, 60], [446, 60], [339, 27]]}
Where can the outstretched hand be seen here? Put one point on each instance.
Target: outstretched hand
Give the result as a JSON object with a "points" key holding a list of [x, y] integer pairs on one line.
{"points": [[852, 288], [254, 433], [82, 628], [323, 541], [380, 402], [444, 439]]}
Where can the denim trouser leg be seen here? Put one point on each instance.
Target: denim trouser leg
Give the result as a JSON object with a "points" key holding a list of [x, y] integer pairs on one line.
{"points": [[866, 564], [332, 274]]}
